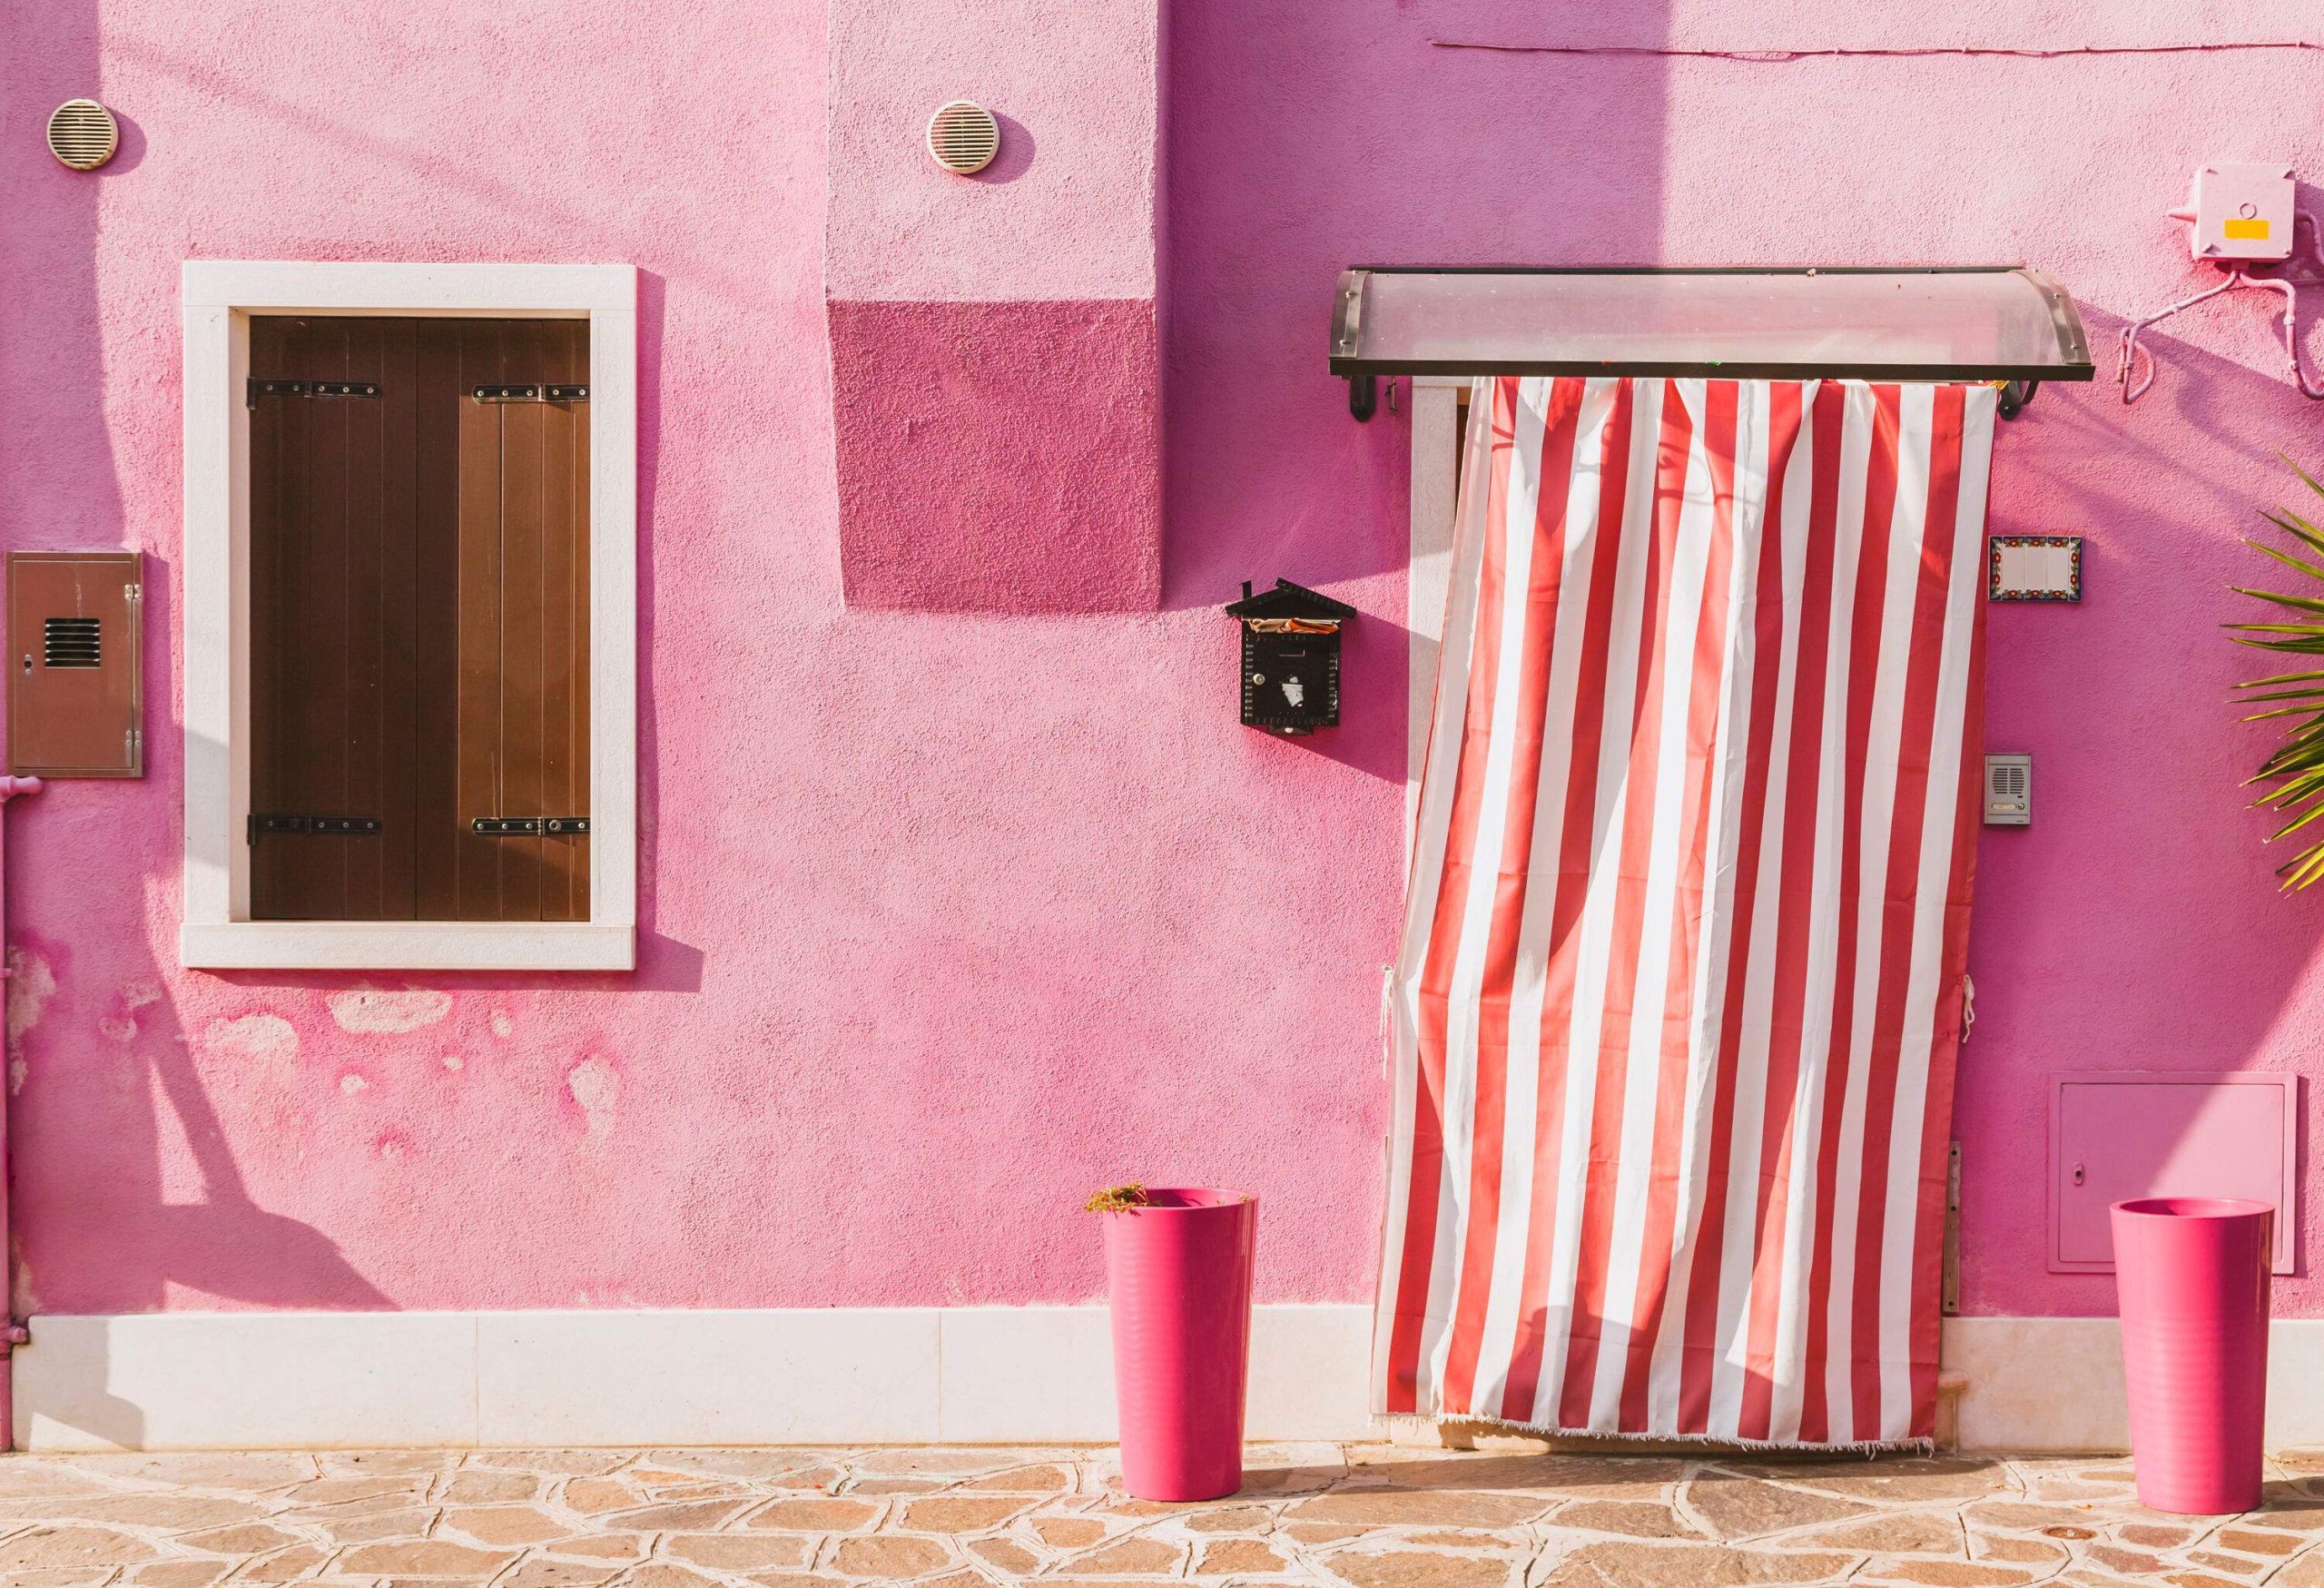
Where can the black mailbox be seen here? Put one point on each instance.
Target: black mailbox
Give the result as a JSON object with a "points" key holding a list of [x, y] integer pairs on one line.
{"points": [[1291, 658]]}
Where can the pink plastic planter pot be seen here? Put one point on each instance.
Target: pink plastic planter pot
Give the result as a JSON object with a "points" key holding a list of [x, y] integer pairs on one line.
{"points": [[2191, 1273], [1179, 1274]]}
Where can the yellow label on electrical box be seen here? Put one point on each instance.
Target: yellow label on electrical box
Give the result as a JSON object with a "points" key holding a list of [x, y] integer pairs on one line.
{"points": [[2245, 229]]}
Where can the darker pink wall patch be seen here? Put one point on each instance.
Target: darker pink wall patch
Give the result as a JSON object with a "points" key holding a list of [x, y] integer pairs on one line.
{"points": [[1001, 456]]}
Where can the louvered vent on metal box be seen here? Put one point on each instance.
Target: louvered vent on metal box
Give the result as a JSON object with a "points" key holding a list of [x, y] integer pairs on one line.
{"points": [[962, 137], [70, 642], [2009, 791], [83, 134]]}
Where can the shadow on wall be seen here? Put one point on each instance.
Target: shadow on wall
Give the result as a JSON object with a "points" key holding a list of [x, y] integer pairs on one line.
{"points": [[1306, 140], [1016, 155], [1303, 139], [130, 1171], [160, 1239], [220, 1244], [2134, 925], [65, 493], [530, 210], [2140, 910]]}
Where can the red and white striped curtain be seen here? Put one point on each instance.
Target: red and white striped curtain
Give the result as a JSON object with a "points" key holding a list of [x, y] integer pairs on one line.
{"points": [[1674, 1018]]}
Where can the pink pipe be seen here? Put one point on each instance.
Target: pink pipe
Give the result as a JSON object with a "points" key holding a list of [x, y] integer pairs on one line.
{"points": [[15, 1334]]}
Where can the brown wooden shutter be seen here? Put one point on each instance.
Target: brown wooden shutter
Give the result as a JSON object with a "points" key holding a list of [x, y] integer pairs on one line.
{"points": [[419, 620]]}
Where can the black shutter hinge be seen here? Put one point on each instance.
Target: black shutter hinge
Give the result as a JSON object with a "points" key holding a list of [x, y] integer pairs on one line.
{"points": [[530, 826], [533, 392], [317, 826], [256, 388]]}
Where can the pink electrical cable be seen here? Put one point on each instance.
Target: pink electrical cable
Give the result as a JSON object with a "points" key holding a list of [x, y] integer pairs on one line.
{"points": [[2130, 340], [2291, 335], [2236, 277], [2291, 304]]}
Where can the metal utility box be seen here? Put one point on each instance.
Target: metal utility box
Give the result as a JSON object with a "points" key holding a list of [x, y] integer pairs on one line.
{"points": [[2009, 790], [2116, 1135], [2240, 209], [1291, 658], [76, 692]]}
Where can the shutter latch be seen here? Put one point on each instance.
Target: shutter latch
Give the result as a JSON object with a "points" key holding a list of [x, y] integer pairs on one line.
{"points": [[530, 826], [535, 392], [317, 826], [255, 388]]}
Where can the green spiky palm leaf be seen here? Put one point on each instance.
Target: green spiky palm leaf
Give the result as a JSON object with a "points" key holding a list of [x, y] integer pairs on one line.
{"points": [[2294, 768]]}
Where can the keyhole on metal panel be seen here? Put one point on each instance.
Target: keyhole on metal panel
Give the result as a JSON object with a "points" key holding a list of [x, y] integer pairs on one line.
{"points": [[2077, 1174]]}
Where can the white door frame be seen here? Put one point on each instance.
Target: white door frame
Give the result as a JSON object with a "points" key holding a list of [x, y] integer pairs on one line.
{"points": [[1437, 401]]}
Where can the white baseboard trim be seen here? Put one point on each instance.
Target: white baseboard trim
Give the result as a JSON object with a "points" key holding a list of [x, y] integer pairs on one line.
{"points": [[2040, 1384], [969, 1375], [864, 1376]]}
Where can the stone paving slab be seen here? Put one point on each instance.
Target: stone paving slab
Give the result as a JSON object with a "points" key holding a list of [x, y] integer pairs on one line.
{"points": [[1343, 1517]]}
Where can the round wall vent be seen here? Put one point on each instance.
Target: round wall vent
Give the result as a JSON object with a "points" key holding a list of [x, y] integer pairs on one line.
{"points": [[81, 133], [963, 137]]}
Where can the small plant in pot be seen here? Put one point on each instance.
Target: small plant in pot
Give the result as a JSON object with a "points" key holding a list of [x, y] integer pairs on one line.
{"points": [[1178, 1289]]}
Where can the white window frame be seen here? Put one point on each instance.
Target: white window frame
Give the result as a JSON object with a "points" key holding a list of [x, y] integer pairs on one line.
{"points": [[218, 299]]}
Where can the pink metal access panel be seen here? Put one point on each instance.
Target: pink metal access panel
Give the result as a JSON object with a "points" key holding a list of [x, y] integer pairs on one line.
{"points": [[2119, 1134]]}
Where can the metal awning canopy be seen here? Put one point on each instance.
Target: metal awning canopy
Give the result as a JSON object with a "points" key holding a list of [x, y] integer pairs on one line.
{"points": [[1944, 323]]}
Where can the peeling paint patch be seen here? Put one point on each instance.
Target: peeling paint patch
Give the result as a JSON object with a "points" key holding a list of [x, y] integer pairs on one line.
{"points": [[31, 986], [251, 1036], [262, 1051], [351, 1084], [374, 1011], [453, 1060], [594, 1086], [122, 1027], [502, 1025]]}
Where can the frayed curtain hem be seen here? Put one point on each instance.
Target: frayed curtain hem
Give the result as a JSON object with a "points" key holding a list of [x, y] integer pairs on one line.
{"points": [[1863, 1447]]}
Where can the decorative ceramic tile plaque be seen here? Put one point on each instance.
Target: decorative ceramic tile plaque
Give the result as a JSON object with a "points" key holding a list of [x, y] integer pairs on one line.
{"points": [[2034, 567]]}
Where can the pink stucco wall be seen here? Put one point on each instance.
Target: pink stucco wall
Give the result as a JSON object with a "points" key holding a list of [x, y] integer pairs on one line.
{"points": [[951, 918], [1066, 212], [995, 353], [997, 457]]}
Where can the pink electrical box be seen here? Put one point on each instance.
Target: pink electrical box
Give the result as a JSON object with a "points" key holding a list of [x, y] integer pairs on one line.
{"points": [[2117, 1135], [2240, 209]]}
